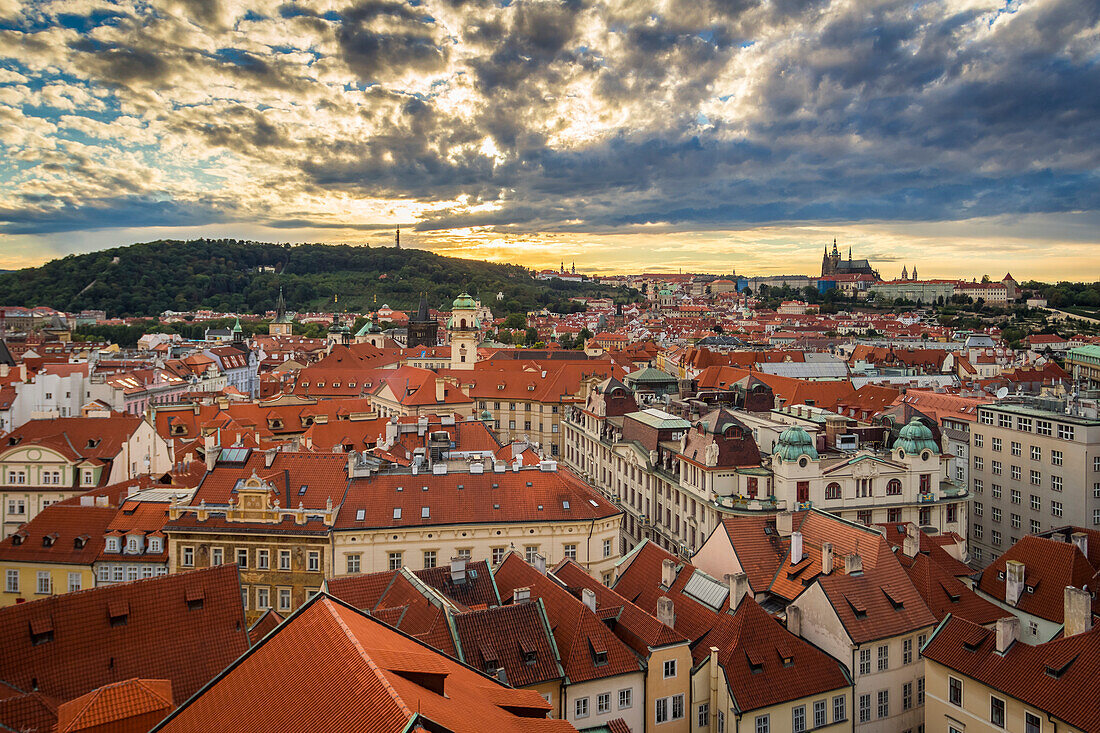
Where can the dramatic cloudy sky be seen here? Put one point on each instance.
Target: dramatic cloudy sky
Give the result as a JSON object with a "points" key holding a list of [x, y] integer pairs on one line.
{"points": [[959, 135]]}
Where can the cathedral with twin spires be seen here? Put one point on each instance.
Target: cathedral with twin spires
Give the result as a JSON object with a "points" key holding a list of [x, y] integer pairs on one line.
{"points": [[832, 264]]}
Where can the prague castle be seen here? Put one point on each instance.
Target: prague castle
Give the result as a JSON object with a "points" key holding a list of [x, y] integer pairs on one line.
{"points": [[832, 264]]}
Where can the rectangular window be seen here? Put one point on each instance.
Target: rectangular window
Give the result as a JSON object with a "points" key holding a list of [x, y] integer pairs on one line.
{"points": [[907, 651], [284, 599], [798, 719], [1032, 723], [1036, 504], [529, 553], [977, 530], [995, 444], [979, 463], [995, 537], [996, 514], [1004, 421], [1056, 483], [978, 487], [955, 691], [217, 556], [1042, 427], [242, 557], [883, 703], [1056, 508], [883, 658], [677, 707], [1015, 472], [570, 551], [865, 661], [429, 559], [314, 559], [907, 696], [263, 559], [670, 668], [1017, 449], [865, 708], [1024, 424], [263, 600], [840, 708], [1056, 457], [1015, 495], [997, 711], [395, 560], [995, 490], [353, 563], [498, 555], [661, 710], [284, 559], [979, 440], [187, 558], [11, 581], [1065, 432], [703, 716], [607, 548], [819, 714], [603, 703], [995, 467], [920, 688], [763, 724], [626, 699], [978, 509], [74, 582], [1015, 518]]}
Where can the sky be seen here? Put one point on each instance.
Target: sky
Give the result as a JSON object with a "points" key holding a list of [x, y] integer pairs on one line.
{"points": [[723, 136]]}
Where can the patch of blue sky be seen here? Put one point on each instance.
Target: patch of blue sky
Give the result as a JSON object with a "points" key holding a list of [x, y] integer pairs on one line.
{"points": [[86, 23]]}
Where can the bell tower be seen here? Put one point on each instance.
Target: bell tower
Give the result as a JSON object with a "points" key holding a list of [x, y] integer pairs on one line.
{"points": [[464, 330]]}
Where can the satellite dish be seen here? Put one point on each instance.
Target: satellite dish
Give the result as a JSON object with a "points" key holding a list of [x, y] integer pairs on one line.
{"points": [[1002, 393]]}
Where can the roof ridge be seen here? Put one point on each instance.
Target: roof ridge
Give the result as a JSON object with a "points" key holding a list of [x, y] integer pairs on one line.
{"points": [[374, 668]]}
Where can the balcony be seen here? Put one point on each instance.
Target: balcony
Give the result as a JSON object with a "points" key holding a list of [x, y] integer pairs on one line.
{"points": [[750, 504]]}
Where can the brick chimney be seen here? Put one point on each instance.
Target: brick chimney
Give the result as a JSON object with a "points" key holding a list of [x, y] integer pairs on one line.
{"points": [[1014, 581], [853, 564], [739, 588], [1008, 631], [834, 427], [826, 558], [589, 597], [666, 612], [1077, 611], [668, 573]]}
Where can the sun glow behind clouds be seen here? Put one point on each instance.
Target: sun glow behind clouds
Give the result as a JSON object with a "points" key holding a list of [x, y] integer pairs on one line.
{"points": [[694, 134]]}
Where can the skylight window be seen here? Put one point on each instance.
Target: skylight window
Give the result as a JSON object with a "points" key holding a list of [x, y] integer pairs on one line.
{"points": [[302, 490], [425, 512], [360, 515], [565, 505], [397, 512]]}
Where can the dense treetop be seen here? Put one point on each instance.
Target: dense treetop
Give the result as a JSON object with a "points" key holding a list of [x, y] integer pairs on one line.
{"points": [[238, 276]]}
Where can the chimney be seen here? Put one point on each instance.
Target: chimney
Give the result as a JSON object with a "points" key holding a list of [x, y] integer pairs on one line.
{"points": [[589, 597], [826, 558], [853, 564], [458, 570], [1058, 537], [911, 545], [521, 595], [1014, 581], [783, 523], [1008, 631], [540, 563], [794, 620], [440, 390], [1082, 541], [796, 548], [666, 612], [1078, 611], [834, 427], [739, 588], [210, 449], [668, 573], [269, 456]]}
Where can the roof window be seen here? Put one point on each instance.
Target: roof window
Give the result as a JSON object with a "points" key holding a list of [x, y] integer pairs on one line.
{"points": [[396, 512], [360, 515], [425, 512], [302, 489]]}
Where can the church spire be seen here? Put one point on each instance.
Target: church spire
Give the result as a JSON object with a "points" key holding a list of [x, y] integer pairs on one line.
{"points": [[397, 238], [280, 306]]}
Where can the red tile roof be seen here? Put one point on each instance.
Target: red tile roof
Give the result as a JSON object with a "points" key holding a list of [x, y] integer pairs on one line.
{"points": [[340, 670], [132, 706], [943, 593], [1058, 677], [1049, 567], [74, 532], [263, 625], [752, 645], [477, 501], [77, 437], [579, 633], [516, 638], [163, 636]]}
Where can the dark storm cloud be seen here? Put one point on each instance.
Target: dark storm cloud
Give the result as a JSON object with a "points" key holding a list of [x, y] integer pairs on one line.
{"points": [[120, 212], [374, 53]]}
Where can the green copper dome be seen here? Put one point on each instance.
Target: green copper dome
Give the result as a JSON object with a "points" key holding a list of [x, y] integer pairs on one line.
{"points": [[486, 415], [794, 442], [915, 438], [464, 302]]}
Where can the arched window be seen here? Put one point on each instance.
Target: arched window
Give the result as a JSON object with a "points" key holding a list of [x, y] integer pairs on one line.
{"points": [[832, 491], [893, 487], [462, 323]]}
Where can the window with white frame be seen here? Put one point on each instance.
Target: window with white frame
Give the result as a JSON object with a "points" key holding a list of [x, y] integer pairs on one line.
{"points": [[263, 598], [263, 559], [1056, 457], [74, 582], [187, 557], [670, 668], [284, 599], [580, 707], [883, 658], [763, 724], [314, 561], [284, 559], [44, 584], [865, 708], [352, 563], [395, 560], [883, 704], [569, 551], [840, 708], [626, 699], [702, 717], [865, 661], [798, 719], [11, 581], [603, 703]]}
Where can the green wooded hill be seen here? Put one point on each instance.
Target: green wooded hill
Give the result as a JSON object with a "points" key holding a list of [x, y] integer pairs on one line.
{"points": [[232, 275]]}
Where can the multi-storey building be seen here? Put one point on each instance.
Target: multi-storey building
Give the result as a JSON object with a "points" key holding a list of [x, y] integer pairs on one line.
{"points": [[677, 479], [45, 461], [1033, 466]]}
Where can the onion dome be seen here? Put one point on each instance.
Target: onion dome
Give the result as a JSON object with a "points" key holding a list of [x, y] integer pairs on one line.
{"points": [[464, 302]]}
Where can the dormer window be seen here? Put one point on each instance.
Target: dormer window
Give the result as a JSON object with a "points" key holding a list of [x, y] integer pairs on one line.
{"points": [[132, 544], [154, 544], [80, 542], [48, 540], [87, 477], [112, 544], [93, 442]]}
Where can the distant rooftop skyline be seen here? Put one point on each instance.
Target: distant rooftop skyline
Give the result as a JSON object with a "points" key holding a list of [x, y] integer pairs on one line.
{"points": [[955, 135]]}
